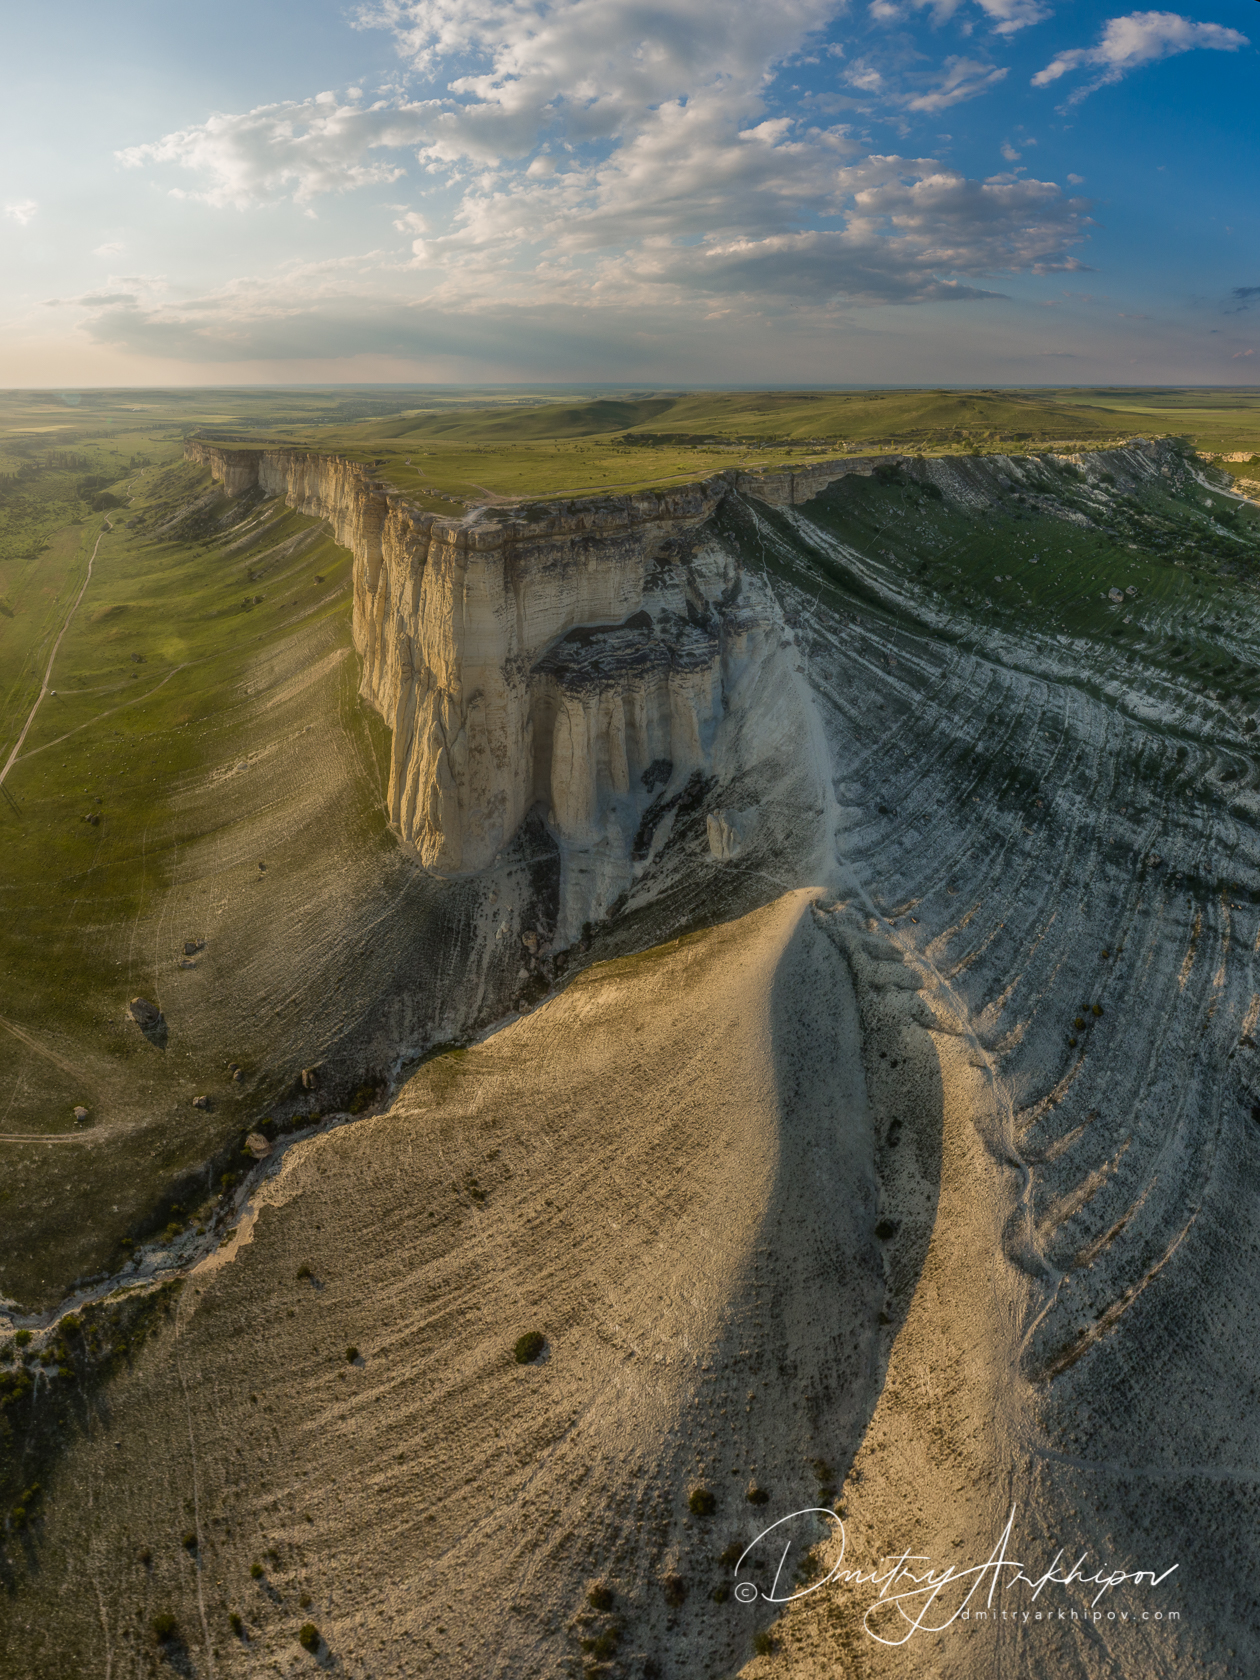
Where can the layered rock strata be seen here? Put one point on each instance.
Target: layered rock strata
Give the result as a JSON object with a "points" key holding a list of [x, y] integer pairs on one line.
{"points": [[579, 659]]}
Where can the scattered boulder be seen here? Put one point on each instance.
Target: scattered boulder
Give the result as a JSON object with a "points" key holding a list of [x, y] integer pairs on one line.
{"points": [[202, 1102], [728, 833], [192, 946], [310, 1078], [146, 1015], [533, 941], [257, 1146], [81, 1116], [1115, 595]]}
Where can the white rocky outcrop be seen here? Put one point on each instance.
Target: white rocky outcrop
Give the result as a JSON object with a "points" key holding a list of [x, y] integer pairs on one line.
{"points": [[580, 658]]}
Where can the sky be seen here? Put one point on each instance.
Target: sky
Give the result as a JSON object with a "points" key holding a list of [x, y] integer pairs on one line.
{"points": [[643, 192]]}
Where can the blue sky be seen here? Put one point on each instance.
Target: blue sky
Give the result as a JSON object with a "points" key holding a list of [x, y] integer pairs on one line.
{"points": [[685, 191]]}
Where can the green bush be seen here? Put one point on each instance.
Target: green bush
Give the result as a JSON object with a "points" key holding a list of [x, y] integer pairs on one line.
{"points": [[757, 1495], [189, 1542], [164, 1625], [529, 1346], [719, 1595], [236, 1624], [701, 1502], [257, 1571], [600, 1596], [604, 1645], [23, 1338], [308, 1637], [675, 1590], [763, 1644], [352, 1353]]}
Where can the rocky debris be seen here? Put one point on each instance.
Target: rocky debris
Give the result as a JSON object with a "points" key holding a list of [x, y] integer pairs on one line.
{"points": [[202, 1102], [93, 817], [81, 1116], [192, 946], [146, 1015], [310, 1078], [728, 833], [257, 1146], [1116, 595], [533, 941], [138, 659], [237, 1071]]}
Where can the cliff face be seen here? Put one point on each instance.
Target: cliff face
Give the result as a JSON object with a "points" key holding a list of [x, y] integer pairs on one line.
{"points": [[582, 659]]}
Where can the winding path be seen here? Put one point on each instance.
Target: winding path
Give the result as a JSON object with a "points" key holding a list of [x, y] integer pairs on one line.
{"points": [[39, 698]]}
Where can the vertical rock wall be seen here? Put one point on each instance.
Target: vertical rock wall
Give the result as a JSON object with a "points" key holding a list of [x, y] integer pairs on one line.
{"points": [[458, 622]]}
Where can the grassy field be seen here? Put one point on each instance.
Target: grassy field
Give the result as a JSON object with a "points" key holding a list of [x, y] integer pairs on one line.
{"points": [[445, 459], [133, 773]]}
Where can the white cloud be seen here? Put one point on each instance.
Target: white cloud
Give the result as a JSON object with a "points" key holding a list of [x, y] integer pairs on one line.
{"points": [[1126, 43], [961, 78], [302, 147], [111, 250], [598, 155], [1007, 17], [22, 211], [1009, 152]]}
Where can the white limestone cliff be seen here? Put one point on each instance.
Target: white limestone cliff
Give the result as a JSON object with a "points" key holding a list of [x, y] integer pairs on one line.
{"points": [[581, 659]]}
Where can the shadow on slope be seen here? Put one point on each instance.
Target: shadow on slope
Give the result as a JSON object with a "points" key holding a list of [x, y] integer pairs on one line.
{"points": [[669, 1173]]}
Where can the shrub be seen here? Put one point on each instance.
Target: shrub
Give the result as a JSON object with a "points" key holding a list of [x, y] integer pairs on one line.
{"points": [[529, 1346], [305, 1601], [303, 1272], [719, 1595], [675, 1590], [352, 1353], [757, 1495], [763, 1644], [23, 1338], [256, 1570], [236, 1624], [604, 1645], [308, 1636], [731, 1556], [189, 1542], [71, 1324], [164, 1625], [701, 1502], [600, 1596]]}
